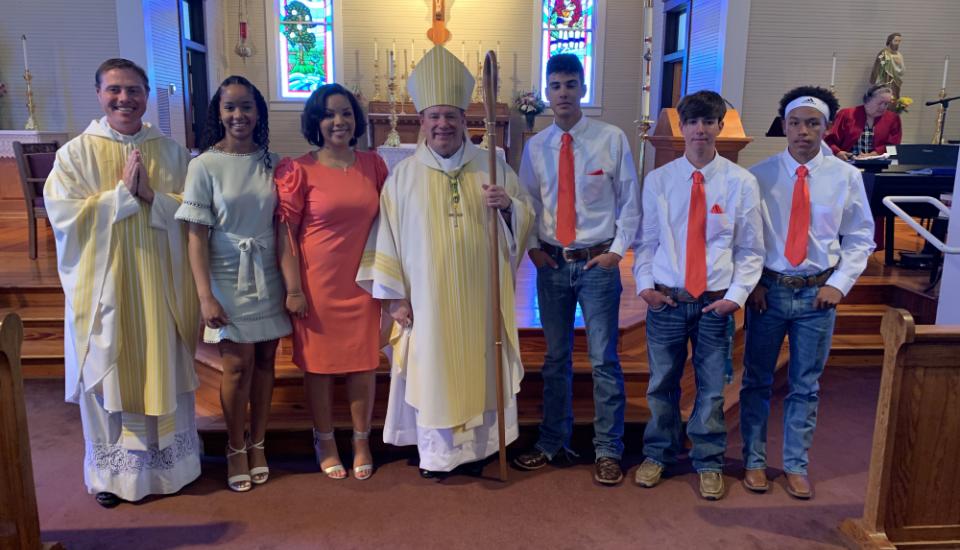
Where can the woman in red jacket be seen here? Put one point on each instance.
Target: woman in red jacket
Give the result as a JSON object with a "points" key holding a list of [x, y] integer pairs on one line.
{"points": [[866, 129]]}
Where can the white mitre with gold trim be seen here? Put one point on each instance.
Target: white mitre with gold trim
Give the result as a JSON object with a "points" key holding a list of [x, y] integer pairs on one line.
{"points": [[440, 79]]}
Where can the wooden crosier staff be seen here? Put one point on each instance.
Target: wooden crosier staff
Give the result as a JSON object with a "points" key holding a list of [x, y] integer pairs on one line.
{"points": [[490, 104]]}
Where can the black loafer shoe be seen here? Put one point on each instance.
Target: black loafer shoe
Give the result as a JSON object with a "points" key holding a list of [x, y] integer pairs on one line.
{"points": [[430, 474], [474, 469], [108, 500]]}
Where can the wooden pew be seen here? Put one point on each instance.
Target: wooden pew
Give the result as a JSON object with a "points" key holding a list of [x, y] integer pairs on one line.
{"points": [[19, 524], [913, 488]]}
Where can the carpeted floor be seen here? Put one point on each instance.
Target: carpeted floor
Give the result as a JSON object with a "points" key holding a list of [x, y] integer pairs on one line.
{"points": [[552, 508]]}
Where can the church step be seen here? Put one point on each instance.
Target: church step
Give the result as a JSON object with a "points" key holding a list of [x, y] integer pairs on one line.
{"points": [[42, 359], [18, 298], [856, 350], [859, 318]]}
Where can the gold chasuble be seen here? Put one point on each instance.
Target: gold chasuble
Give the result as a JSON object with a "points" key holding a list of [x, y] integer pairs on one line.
{"points": [[430, 246], [131, 305]]}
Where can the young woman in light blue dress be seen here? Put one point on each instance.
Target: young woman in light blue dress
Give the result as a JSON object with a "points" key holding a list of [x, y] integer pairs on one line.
{"points": [[229, 204]]}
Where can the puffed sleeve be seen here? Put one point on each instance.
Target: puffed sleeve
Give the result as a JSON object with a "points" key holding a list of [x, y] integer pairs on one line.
{"points": [[197, 206], [291, 191]]}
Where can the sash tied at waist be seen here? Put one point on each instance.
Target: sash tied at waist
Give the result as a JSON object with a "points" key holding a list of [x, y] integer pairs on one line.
{"points": [[251, 273]]}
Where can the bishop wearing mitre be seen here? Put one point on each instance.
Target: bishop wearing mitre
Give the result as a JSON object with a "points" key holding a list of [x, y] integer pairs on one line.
{"points": [[428, 256]]}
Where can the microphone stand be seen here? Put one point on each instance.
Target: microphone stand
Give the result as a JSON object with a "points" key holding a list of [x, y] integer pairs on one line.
{"points": [[944, 103]]}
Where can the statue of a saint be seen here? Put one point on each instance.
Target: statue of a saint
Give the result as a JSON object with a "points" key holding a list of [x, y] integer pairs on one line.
{"points": [[888, 65]]}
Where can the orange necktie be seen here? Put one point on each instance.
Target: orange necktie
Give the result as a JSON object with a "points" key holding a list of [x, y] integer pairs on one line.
{"points": [[796, 247], [567, 196], [695, 278]]}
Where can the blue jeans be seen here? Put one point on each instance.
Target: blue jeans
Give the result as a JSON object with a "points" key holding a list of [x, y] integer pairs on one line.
{"points": [[598, 292], [668, 330], [789, 312]]}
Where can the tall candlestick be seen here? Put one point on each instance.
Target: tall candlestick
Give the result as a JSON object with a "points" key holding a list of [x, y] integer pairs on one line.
{"points": [[943, 85], [376, 51], [647, 46], [23, 44], [833, 70]]}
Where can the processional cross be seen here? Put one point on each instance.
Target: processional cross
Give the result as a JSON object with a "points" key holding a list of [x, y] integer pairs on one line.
{"points": [[438, 33]]}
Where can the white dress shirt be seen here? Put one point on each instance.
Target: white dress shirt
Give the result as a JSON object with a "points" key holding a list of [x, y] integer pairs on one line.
{"points": [[734, 228], [838, 206], [605, 180]]}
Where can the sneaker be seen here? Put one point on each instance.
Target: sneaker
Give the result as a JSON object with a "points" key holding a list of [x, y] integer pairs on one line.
{"points": [[711, 485], [648, 474]]}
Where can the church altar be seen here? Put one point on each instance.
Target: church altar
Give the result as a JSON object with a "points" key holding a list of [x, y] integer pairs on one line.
{"points": [[393, 155], [408, 123]]}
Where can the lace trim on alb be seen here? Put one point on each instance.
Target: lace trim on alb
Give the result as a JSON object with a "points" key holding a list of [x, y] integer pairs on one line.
{"points": [[116, 459]]}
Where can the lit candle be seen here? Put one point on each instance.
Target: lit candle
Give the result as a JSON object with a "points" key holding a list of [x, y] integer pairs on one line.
{"points": [[376, 51], [479, 51], [463, 51], [833, 70], [406, 60], [23, 43], [413, 50], [390, 64], [498, 51], [943, 85]]}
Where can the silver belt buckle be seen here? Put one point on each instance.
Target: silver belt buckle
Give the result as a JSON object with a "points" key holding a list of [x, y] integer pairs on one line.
{"points": [[567, 254], [793, 282]]}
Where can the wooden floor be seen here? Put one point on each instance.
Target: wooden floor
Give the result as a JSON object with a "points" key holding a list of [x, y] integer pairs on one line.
{"points": [[31, 287]]}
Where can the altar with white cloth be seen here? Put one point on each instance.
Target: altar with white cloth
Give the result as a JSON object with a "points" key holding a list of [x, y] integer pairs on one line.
{"points": [[393, 155]]}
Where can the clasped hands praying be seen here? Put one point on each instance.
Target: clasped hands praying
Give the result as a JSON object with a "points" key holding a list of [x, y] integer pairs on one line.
{"points": [[135, 177]]}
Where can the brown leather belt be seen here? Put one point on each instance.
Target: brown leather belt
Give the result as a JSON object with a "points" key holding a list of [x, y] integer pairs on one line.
{"points": [[576, 254], [797, 281], [681, 294]]}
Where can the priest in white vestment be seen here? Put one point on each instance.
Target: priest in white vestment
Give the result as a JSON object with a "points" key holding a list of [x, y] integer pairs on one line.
{"points": [[429, 256], [131, 319]]}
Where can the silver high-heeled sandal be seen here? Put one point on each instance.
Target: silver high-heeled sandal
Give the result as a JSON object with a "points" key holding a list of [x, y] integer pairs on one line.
{"points": [[363, 471], [337, 471], [240, 483], [259, 474]]}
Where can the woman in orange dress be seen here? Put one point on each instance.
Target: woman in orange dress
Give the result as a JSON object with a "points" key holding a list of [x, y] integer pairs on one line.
{"points": [[329, 198]]}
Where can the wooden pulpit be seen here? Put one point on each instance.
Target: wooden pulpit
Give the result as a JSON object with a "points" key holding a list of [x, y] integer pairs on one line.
{"points": [[668, 141], [913, 488]]}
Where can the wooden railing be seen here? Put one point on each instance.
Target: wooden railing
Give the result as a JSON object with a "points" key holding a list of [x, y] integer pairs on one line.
{"points": [[913, 489]]}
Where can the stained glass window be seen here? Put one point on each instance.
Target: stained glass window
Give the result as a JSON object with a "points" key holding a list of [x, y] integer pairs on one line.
{"points": [[568, 26], [305, 46]]}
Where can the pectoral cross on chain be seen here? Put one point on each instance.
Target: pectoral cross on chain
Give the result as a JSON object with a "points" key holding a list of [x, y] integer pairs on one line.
{"points": [[455, 199]]}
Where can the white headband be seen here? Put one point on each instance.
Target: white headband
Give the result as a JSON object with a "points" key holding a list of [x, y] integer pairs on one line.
{"points": [[808, 101]]}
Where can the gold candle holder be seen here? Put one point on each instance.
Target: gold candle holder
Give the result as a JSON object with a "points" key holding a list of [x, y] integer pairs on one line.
{"points": [[393, 138], [478, 90], [31, 109], [941, 117], [376, 79]]}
